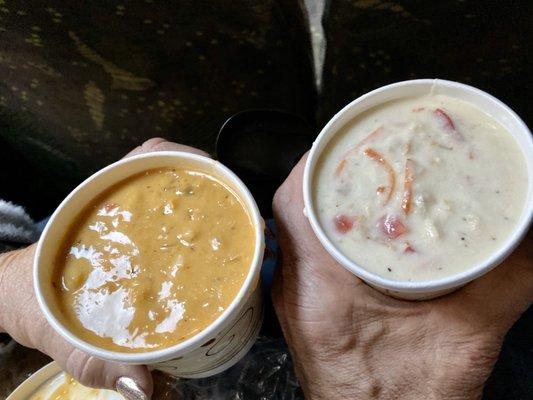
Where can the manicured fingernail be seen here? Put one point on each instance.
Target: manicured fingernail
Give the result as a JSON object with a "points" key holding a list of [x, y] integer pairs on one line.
{"points": [[128, 388]]}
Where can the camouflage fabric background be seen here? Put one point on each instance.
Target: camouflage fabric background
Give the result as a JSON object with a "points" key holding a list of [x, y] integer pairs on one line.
{"points": [[84, 82]]}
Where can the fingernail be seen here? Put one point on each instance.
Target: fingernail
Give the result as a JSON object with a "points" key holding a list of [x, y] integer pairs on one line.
{"points": [[128, 388]]}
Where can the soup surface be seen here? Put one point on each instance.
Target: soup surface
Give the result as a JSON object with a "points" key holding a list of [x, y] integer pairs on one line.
{"points": [[153, 260], [64, 387], [420, 188]]}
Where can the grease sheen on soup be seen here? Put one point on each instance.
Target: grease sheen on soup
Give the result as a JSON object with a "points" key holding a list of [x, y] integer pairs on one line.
{"points": [[154, 260]]}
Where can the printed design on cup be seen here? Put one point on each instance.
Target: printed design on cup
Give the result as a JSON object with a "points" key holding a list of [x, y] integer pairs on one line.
{"points": [[223, 351], [244, 322], [209, 342]]}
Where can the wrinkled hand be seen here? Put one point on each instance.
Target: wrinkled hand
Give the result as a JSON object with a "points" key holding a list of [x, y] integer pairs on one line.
{"points": [[350, 341], [21, 317]]}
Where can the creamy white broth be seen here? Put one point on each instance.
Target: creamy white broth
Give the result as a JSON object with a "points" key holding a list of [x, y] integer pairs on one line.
{"points": [[420, 188]]}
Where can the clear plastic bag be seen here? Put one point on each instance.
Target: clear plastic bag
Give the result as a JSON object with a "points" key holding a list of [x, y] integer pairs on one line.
{"points": [[266, 372]]}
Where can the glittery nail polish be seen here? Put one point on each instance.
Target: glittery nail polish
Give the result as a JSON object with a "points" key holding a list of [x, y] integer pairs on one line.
{"points": [[128, 388]]}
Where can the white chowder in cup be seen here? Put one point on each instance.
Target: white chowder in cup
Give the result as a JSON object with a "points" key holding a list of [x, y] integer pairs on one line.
{"points": [[420, 186]]}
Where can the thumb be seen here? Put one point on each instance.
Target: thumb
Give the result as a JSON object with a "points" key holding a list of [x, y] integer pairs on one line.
{"points": [[134, 382]]}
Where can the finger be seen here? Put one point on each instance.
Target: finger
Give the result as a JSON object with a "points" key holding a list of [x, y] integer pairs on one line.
{"points": [[160, 144], [93, 372], [288, 202], [296, 237]]}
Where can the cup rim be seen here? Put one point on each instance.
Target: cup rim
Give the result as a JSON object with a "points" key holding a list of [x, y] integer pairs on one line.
{"points": [[195, 341], [335, 124], [35, 381]]}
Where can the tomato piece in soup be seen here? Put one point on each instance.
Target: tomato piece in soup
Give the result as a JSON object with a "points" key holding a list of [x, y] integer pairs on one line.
{"points": [[391, 226], [343, 223]]}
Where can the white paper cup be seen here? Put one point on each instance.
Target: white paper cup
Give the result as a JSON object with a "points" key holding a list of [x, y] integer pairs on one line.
{"points": [[499, 111], [217, 347]]}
